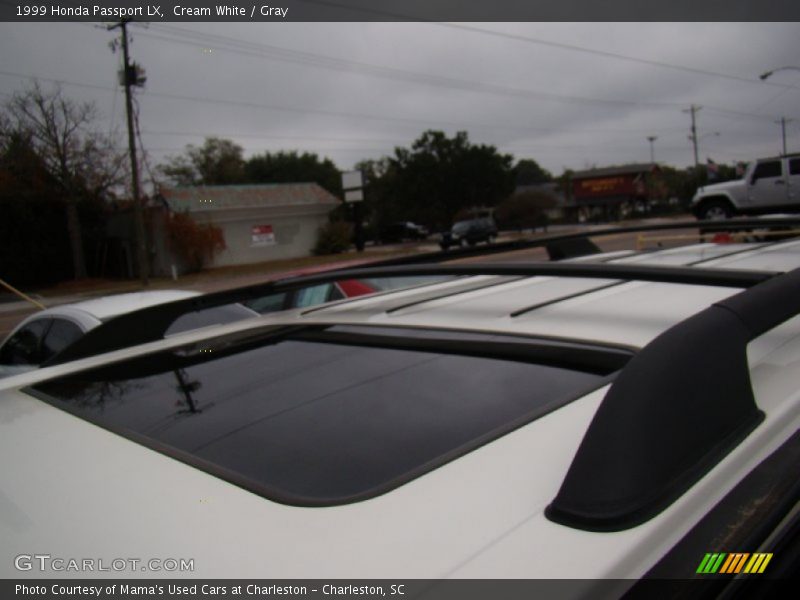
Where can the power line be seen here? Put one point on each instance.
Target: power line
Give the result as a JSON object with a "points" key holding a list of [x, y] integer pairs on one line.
{"points": [[331, 113], [331, 63], [539, 41], [513, 145], [337, 114], [310, 59], [263, 51], [607, 54], [327, 113], [268, 135]]}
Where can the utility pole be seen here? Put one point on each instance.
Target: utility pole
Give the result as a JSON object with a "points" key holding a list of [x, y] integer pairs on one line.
{"points": [[783, 120], [783, 123], [693, 110], [130, 76], [651, 139]]}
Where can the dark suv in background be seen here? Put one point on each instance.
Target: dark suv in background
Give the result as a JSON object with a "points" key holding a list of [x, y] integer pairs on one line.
{"points": [[469, 232]]}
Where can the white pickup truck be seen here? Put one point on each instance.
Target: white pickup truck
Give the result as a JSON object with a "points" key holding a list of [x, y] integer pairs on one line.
{"points": [[769, 185]]}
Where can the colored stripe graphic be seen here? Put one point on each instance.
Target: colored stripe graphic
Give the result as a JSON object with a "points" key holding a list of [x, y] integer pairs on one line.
{"points": [[711, 562], [758, 563], [734, 563]]}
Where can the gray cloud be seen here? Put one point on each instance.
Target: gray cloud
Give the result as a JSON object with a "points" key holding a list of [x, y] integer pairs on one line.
{"points": [[353, 91]]}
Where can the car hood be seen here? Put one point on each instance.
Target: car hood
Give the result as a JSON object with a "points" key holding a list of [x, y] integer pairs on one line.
{"points": [[720, 187]]}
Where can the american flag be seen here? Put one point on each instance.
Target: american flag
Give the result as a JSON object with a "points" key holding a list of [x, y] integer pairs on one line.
{"points": [[712, 169]]}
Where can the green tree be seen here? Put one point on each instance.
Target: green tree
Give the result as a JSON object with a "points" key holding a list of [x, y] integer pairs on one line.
{"points": [[216, 162], [524, 210], [381, 208], [680, 183], [565, 182], [528, 172], [292, 167], [439, 175]]}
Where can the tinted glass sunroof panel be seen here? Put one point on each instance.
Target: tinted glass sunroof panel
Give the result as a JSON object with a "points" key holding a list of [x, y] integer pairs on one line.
{"points": [[308, 422]]}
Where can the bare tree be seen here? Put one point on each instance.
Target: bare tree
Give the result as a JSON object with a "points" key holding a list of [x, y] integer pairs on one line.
{"points": [[63, 133]]}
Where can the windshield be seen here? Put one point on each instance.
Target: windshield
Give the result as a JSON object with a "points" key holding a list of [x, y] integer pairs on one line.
{"points": [[462, 227]]}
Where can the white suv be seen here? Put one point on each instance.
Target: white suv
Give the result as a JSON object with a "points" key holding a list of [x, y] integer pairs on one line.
{"points": [[770, 185], [619, 416]]}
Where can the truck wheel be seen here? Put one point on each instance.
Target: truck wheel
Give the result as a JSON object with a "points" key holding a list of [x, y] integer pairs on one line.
{"points": [[716, 210]]}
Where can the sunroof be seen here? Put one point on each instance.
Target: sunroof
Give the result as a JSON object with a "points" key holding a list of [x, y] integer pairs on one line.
{"points": [[315, 418]]}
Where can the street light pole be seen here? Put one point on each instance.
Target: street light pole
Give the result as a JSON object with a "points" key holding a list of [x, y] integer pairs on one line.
{"points": [[651, 139], [783, 120], [766, 74]]}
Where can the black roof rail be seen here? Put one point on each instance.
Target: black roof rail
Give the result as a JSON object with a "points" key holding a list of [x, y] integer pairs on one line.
{"points": [[560, 246], [150, 324], [676, 410]]}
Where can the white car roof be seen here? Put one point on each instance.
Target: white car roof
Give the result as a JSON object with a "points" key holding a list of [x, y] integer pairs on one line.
{"points": [[88, 314], [481, 515], [117, 304]]}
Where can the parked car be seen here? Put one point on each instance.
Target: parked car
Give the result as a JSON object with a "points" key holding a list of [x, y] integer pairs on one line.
{"points": [[310, 296], [615, 417], [331, 291], [402, 231], [44, 334], [469, 233], [769, 185]]}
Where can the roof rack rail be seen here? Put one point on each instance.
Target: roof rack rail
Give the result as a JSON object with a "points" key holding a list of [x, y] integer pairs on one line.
{"points": [[150, 324], [676, 410], [560, 245]]}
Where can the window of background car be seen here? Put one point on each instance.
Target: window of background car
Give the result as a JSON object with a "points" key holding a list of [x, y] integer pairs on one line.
{"points": [[211, 316], [461, 227], [24, 346], [794, 166], [771, 168], [269, 303], [317, 294], [60, 335]]}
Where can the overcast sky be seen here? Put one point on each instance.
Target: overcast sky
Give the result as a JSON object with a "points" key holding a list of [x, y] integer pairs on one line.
{"points": [[355, 91]]}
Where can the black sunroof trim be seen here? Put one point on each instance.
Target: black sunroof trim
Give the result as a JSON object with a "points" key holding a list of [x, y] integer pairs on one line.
{"points": [[278, 495]]}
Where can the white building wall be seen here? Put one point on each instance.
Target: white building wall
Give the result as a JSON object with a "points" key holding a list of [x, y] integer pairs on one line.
{"points": [[294, 228]]}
